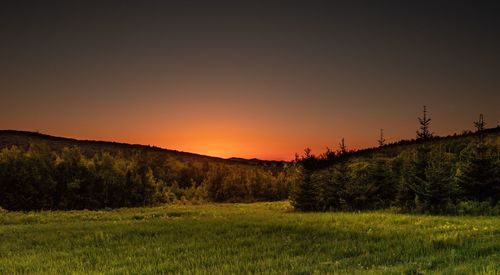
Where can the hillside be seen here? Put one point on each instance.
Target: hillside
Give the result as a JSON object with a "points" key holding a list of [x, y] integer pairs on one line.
{"points": [[454, 174], [39, 171], [24, 139], [395, 148]]}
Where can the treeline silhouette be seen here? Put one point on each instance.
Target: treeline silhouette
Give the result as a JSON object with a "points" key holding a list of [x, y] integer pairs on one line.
{"points": [[456, 175], [45, 175]]}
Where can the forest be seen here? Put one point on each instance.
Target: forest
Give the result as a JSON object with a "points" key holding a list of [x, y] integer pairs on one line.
{"points": [[458, 174], [39, 174], [451, 175]]}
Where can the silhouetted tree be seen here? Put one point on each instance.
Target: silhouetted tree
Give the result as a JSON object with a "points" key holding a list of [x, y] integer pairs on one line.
{"points": [[433, 177], [342, 148], [415, 178], [479, 124], [381, 140], [424, 121]]}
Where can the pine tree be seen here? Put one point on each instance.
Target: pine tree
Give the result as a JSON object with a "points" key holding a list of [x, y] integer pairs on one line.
{"points": [[478, 173], [414, 180], [381, 140], [304, 196], [342, 148], [478, 177], [480, 123], [336, 187], [429, 181], [405, 196], [380, 173], [424, 121], [440, 188], [333, 192]]}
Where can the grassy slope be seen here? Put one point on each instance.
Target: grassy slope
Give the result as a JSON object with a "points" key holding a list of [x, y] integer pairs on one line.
{"points": [[236, 238]]}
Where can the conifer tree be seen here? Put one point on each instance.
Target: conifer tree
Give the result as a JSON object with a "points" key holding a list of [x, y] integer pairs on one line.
{"points": [[337, 187], [414, 178], [304, 196], [380, 173], [478, 174], [424, 121], [342, 148], [439, 188], [381, 140], [405, 196], [480, 124]]}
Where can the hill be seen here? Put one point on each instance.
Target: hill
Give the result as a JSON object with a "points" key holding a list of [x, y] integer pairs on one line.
{"points": [[25, 138], [393, 149], [438, 174], [459, 173], [39, 171]]}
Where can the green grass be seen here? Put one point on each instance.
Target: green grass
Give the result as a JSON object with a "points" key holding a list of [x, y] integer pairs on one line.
{"points": [[245, 238]]}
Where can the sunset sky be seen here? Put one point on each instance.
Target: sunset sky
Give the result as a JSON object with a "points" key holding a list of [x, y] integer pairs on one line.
{"points": [[256, 79]]}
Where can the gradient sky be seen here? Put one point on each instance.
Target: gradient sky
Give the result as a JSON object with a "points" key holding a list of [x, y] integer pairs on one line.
{"points": [[257, 79]]}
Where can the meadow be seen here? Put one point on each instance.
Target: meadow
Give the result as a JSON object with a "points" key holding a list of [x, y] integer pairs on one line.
{"points": [[245, 238]]}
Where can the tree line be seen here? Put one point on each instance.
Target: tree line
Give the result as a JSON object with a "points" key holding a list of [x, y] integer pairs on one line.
{"points": [[428, 175], [458, 176], [39, 177]]}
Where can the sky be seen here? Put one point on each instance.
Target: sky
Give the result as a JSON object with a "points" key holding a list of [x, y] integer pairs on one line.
{"points": [[260, 79]]}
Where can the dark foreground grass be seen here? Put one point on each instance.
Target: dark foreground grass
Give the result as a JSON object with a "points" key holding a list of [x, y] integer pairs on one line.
{"points": [[245, 238]]}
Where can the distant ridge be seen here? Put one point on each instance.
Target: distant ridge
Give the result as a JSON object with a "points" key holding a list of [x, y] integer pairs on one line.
{"points": [[24, 138], [46, 137], [256, 161]]}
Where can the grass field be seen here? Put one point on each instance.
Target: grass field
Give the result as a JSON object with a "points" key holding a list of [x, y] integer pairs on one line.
{"points": [[245, 238]]}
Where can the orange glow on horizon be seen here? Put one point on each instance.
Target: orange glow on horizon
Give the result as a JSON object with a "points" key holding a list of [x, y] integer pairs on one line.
{"points": [[218, 145], [232, 83]]}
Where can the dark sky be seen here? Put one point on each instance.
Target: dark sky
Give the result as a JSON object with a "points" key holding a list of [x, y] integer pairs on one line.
{"points": [[257, 79]]}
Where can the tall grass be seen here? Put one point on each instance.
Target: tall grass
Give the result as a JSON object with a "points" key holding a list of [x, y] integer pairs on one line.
{"points": [[245, 238]]}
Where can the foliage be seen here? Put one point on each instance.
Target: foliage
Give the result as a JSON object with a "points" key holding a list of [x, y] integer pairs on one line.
{"points": [[435, 176], [39, 177]]}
